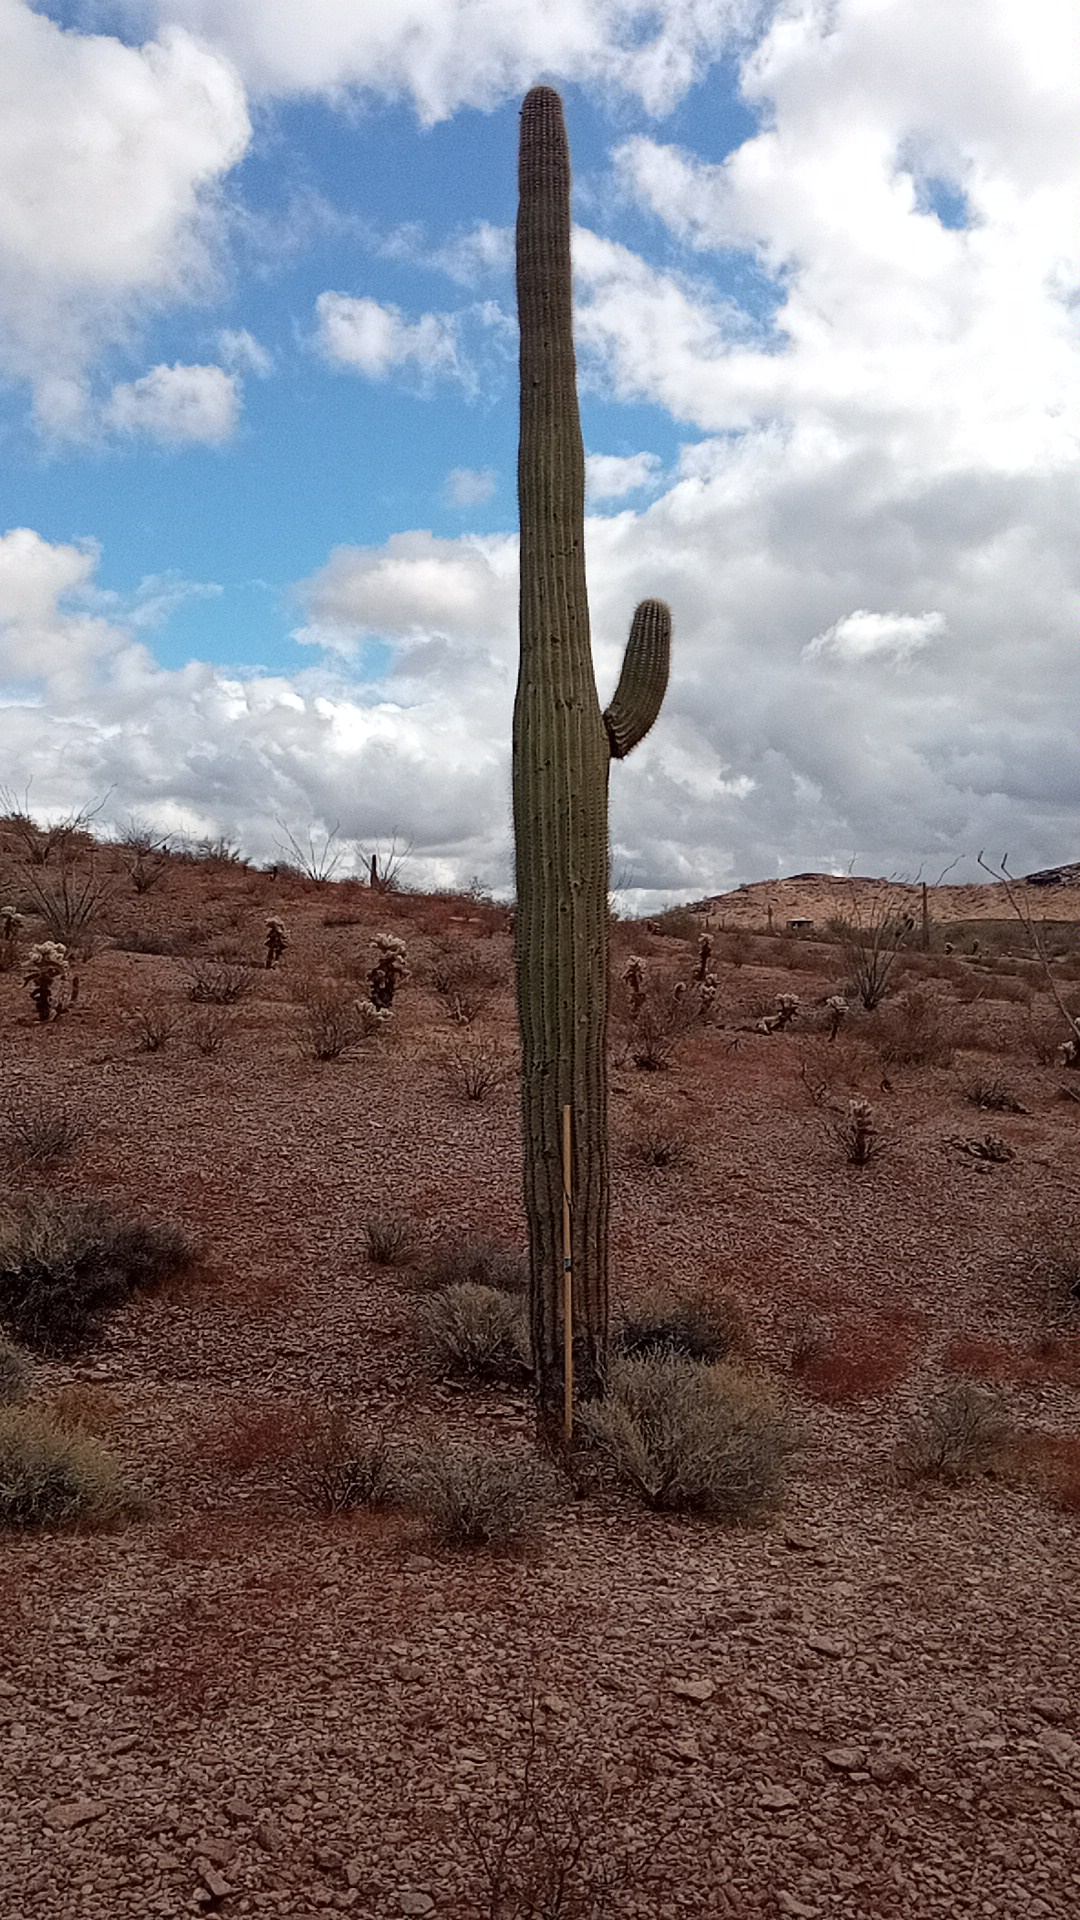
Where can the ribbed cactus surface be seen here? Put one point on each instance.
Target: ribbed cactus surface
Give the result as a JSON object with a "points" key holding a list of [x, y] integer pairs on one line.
{"points": [[563, 746]]}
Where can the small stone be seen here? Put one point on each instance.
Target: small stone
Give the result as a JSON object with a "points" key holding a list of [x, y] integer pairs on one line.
{"points": [[890, 1766], [66, 1816], [269, 1837], [700, 1690], [790, 1903], [555, 1703], [824, 1643], [238, 1809], [797, 1541], [1051, 1706], [1061, 1747], [415, 1902], [687, 1750], [353, 1876], [220, 1852], [846, 1759], [418, 1563], [777, 1799], [216, 1885]]}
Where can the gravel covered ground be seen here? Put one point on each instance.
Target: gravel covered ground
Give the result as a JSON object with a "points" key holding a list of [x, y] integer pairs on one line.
{"points": [[865, 1706]]}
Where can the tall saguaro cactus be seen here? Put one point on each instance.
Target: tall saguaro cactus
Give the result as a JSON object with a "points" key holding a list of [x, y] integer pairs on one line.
{"points": [[563, 746]]}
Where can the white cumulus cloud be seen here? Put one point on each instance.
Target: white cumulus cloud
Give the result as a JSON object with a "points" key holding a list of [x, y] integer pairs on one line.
{"points": [[177, 406], [110, 160], [469, 486], [864, 636], [612, 476], [360, 335]]}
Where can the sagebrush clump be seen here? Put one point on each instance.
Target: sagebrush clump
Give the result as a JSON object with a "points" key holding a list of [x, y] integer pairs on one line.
{"points": [[66, 1265], [472, 1498], [960, 1436], [698, 1326], [691, 1437]]}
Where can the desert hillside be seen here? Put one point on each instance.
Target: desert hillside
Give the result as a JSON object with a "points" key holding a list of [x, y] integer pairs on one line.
{"points": [[246, 1679], [1053, 895]]}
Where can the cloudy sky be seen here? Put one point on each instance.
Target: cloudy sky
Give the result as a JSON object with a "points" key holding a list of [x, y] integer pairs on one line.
{"points": [[258, 418]]}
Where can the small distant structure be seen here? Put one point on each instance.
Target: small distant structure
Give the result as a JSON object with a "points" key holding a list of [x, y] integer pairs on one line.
{"points": [[800, 925]]}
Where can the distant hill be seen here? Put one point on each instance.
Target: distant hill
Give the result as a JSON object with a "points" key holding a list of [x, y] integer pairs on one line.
{"points": [[820, 897]]}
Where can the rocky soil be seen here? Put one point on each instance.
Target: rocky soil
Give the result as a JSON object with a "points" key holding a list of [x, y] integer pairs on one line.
{"points": [[865, 1706]]}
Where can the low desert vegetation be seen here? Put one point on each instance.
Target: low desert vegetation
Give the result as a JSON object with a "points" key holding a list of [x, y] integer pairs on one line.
{"points": [[390, 1239], [661, 1146], [993, 1095], [39, 1131], [699, 1326], [209, 1028], [16, 1373], [914, 1030], [471, 1497], [691, 1438], [961, 1435], [67, 1265], [475, 1333], [337, 1469], [54, 1476], [333, 1021], [218, 982], [478, 1263], [858, 1135], [475, 1069], [152, 1022]]}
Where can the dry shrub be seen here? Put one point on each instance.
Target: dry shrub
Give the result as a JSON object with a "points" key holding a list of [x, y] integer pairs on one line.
{"points": [[475, 1333], [143, 940], [209, 1029], [40, 1133], [478, 1263], [390, 1239], [475, 1069], [992, 1095], [55, 1476], [337, 1469], [218, 983], [15, 1374], [70, 899], [332, 1020], [914, 1030], [473, 1498], [66, 1265], [661, 1146], [961, 1436], [852, 1363], [689, 1437], [153, 1023], [698, 1326], [84, 1406], [544, 1838], [1015, 992], [858, 1135], [463, 975], [1047, 1032]]}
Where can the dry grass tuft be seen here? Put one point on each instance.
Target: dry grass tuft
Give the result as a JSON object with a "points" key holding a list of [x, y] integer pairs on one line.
{"points": [[37, 1132], [478, 1263], [390, 1239], [56, 1476], [698, 1326], [914, 1030], [475, 1333], [337, 1470], [475, 1069]]}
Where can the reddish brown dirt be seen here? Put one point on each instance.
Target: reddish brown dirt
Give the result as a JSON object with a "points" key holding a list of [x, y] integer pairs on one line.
{"points": [[320, 1711]]}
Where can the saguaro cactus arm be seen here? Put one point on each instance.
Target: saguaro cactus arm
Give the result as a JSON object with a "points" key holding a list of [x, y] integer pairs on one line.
{"points": [[643, 681]]}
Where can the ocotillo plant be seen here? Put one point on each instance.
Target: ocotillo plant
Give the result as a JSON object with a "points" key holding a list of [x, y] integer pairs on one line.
{"points": [[563, 746]]}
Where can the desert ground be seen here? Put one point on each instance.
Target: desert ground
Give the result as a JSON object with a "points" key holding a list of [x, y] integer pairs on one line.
{"points": [[861, 1702]]}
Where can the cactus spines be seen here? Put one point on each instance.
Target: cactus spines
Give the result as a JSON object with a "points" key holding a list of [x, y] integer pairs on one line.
{"points": [[563, 747]]}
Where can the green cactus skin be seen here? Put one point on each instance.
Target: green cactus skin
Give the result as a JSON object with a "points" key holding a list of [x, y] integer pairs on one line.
{"points": [[562, 749]]}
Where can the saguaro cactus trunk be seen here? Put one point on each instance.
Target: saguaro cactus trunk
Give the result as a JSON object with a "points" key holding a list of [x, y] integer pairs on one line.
{"points": [[563, 745]]}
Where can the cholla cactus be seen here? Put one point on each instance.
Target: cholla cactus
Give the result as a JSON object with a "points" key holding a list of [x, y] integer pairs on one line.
{"points": [[633, 976], [707, 985], [47, 968], [704, 955], [372, 1017], [11, 922], [787, 1006], [389, 972], [858, 1135], [836, 1009], [276, 939]]}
